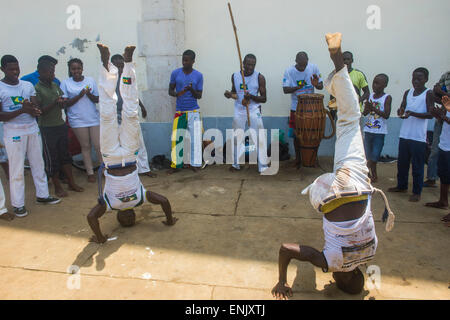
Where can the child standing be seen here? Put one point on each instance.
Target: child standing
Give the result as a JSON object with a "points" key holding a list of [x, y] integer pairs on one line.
{"points": [[375, 128], [415, 111]]}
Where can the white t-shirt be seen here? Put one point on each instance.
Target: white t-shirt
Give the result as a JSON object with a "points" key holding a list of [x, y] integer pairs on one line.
{"points": [[125, 192], [414, 128], [83, 113], [444, 143], [11, 97], [252, 84], [375, 123], [292, 78]]}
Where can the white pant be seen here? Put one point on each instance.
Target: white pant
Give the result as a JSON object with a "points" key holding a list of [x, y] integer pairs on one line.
{"points": [[2, 200], [350, 173], [239, 122], [17, 147], [142, 158], [119, 144]]}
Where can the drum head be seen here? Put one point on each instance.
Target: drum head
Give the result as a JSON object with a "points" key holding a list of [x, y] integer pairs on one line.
{"points": [[311, 96]]}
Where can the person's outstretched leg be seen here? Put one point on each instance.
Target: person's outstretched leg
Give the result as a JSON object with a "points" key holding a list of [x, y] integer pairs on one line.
{"points": [[130, 129], [350, 154], [109, 129]]}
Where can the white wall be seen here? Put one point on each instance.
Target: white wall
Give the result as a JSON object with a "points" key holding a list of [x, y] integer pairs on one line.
{"points": [[413, 33], [35, 28]]}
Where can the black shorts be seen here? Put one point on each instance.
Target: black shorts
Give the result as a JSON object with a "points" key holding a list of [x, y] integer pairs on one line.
{"points": [[55, 143], [444, 166]]}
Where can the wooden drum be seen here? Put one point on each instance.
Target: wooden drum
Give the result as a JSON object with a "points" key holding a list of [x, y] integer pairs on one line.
{"points": [[310, 126]]}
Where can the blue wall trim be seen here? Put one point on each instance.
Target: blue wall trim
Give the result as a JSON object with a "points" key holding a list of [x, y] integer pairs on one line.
{"points": [[157, 135]]}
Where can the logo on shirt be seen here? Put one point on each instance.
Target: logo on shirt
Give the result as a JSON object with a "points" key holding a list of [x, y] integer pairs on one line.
{"points": [[301, 83], [242, 87], [17, 100], [129, 198], [16, 139], [126, 80]]}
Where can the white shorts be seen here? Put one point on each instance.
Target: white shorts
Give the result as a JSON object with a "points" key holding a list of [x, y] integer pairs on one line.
{"points": [[349, 244]]}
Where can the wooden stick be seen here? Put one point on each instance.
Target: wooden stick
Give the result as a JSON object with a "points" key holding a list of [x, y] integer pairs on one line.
{"points": [[240, 59]]}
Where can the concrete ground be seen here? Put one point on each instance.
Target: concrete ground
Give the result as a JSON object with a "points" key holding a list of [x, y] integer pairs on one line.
{"points": [[225, 245]]}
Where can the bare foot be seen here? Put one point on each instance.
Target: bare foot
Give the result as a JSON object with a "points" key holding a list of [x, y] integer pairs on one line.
{"points": [[7, 216], [334, 41], [172, 171], [149, 174], [437, 205], [104, 54], [446, 102], [91, 178], [414, 198], [61, 193], [446, 218], [128, 53], [76, 188]]}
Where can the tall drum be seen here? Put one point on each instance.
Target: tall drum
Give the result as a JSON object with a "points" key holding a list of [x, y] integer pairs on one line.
{"points": [[310, 126]]}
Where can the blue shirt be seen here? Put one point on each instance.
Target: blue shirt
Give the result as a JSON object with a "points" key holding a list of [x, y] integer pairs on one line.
{"points": [[187, 102], [34, 78]]}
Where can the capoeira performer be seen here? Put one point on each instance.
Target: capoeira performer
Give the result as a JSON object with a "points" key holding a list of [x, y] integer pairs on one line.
{"points": [[119, 146], [343, 196], [255, 83]]}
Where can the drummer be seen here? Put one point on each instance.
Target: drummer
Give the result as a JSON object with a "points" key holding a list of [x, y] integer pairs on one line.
{"points": [[301, 78]]}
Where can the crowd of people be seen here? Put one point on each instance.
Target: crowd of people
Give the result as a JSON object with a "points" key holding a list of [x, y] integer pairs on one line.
{"points": [[34, 129]]}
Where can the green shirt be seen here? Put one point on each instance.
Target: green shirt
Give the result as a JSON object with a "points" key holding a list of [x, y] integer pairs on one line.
{"points": [[359, 81], [47, 95]]}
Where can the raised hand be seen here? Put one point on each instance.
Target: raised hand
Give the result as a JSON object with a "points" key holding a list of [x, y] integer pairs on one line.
{"points": [[315, 80], [446, 102], [82, 92]]}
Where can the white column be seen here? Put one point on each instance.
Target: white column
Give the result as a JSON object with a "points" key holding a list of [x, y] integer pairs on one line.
{"points": [[161, 41]]}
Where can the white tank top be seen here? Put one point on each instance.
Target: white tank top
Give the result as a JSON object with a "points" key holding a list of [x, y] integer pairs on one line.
{"points": [[374, 122], [444, 143], [414, 128], [252, 84], [123, 192]]}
